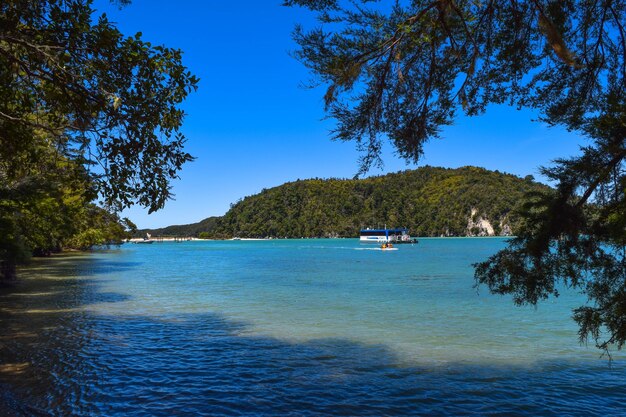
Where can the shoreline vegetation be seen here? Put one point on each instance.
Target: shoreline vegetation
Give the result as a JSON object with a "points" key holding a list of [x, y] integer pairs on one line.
{"points": [[79, 230], [79, 94], [430, 201]]}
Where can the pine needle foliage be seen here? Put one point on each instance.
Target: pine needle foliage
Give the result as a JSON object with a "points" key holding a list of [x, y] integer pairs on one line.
{"points": [[400, 71]]}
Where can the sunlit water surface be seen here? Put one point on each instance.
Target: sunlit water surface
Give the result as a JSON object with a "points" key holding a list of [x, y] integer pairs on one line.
{"points": [[290, 327]]}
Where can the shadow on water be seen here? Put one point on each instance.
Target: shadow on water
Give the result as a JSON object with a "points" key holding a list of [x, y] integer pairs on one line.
{"points": [[57, 359], [61, 284], [74, 264]]}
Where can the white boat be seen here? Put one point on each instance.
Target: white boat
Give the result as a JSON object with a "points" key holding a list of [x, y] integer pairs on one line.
{"points": [[147, 239], [144, 241], [398, 235]]}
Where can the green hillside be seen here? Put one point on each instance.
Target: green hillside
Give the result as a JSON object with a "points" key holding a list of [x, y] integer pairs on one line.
{"points": [[193, 229], [430, 201]]}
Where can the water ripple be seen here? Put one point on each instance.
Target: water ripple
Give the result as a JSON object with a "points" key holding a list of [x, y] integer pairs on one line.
{"points": [[96, 353]]}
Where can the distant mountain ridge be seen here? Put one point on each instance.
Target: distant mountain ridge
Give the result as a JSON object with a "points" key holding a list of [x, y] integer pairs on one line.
{"points": [[193, 229], [430, 201]]}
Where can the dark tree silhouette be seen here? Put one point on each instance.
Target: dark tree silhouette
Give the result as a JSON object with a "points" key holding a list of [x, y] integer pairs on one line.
{"points": [[402, 72]]}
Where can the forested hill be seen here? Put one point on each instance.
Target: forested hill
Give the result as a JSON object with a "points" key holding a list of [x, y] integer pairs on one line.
{"points": [[194, 229], [430, 201]]}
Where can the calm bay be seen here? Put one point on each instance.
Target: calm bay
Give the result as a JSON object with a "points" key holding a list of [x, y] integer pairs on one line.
{"points": [[291, 327]]}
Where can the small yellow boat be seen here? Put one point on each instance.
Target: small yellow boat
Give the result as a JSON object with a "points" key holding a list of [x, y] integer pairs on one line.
{"points": [[387, 246]]}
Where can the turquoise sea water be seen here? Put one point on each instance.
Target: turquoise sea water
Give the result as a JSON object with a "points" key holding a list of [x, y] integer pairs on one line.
{"points": [[291, 327]]}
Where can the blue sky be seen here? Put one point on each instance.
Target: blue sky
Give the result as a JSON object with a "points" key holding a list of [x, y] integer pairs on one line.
{"points": [[251, 125]]}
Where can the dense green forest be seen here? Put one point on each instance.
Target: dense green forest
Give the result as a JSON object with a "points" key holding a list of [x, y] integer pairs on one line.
{"points": [[430, 201], [89, 125]]}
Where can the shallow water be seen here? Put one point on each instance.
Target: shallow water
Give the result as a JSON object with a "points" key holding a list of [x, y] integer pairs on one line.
{"points": [[290, 327]]}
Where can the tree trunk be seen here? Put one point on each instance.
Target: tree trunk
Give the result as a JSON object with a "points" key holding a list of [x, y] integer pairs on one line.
{"points": [[8, 273]]}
